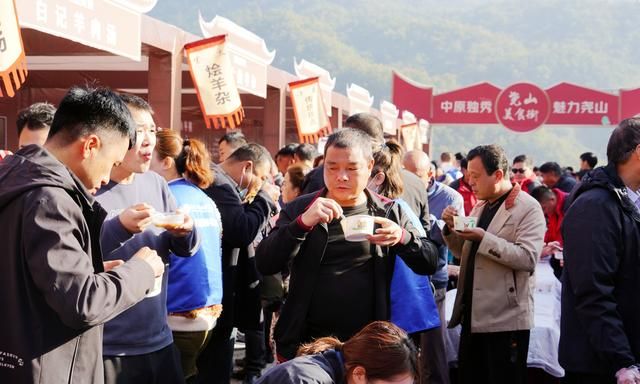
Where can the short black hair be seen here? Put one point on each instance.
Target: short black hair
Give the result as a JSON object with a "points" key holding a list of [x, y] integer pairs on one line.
{"points": [[306, 152], [136, 102], [367, 123], [624, 140], [551, 167], [252, 152], [84, 111], [287, 150], [493, 158], [36, 117], [528, 161], [234, 139], [542, 193], [464, 163], [460, 155], [350, 138], [590, 158]]}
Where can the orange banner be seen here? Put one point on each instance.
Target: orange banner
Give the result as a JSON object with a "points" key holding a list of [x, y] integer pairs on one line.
{"points": [[311, 117], [13, 63], [213, 77]]}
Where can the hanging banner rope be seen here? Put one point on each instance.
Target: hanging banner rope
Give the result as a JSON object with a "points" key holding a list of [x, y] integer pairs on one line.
{"points": [[311, 117], [213, 77], [13, 63]]}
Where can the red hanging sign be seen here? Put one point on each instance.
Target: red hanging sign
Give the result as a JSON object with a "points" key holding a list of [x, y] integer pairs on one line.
{"points": [[13, 65], [311, 117], [213, 77]]}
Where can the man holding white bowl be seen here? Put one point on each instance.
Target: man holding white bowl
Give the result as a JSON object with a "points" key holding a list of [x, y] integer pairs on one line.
{"points": [[340, 276], [498, 255]]}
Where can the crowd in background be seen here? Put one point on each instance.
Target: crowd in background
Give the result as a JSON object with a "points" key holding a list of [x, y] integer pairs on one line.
{"points": [[132, 257]]}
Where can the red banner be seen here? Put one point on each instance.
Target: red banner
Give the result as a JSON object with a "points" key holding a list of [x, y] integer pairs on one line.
{"points": [[521, 107], [470, 105], [410, 96], [575, 105], [629, 103]]}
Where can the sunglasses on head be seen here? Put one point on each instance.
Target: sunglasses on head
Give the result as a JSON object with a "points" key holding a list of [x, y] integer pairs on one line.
{"points": [[517, 170]]}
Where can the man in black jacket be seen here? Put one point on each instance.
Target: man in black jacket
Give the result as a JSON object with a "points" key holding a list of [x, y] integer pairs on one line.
{"points": [[600, 324], [55, 290], [553, 177], [338, 286], [414, 192], [242, 174]]}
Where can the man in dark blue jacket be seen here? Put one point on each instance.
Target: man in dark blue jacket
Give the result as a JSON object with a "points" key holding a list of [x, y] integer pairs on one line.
{"points": [[600, 325], [242, 174]]}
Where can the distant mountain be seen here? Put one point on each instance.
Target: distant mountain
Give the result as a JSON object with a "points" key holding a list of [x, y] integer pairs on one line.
{"points": [[452, 44]]}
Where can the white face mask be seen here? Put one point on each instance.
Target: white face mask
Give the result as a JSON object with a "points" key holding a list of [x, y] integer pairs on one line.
{"points": [[245, 190], [371, 185]]}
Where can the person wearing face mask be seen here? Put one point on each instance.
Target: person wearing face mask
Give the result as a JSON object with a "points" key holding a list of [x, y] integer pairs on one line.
{"points": [[243, 173]]}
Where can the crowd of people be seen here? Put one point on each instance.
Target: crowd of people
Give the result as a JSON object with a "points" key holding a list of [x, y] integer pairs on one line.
{"points": [[132, 257]]}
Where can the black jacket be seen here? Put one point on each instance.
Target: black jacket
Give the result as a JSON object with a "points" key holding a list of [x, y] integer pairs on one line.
{"points": [[566, 183], [53, 296], [241, 223], [289, 244], [600, 325], [415, 192]]}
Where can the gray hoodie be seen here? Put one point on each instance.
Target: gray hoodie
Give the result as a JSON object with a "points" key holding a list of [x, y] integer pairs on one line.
{"points": [[54, 293]]}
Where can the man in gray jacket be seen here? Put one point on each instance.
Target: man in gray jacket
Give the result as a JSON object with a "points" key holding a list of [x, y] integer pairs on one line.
{"points": [[55, 290]]}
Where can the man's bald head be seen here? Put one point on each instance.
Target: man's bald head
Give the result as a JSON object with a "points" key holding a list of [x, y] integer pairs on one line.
{"points": [[418, 163]]}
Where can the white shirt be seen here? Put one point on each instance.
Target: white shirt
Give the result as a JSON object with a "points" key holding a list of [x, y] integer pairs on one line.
{"points": [[634, 196]]}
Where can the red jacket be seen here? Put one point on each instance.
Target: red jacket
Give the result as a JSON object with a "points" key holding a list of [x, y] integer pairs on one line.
{"points": [[554, 222], [468, 197]]}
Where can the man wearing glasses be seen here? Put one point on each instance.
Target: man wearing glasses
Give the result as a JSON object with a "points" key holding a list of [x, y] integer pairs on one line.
{"points": [[522, 171]]}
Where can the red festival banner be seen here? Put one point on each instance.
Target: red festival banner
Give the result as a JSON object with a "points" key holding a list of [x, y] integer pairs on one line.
{"points": [[213, 77], [410, 96], [13, 65], [629, 103], [573, 104], [311, 117], [469, 105], [521, 107]]}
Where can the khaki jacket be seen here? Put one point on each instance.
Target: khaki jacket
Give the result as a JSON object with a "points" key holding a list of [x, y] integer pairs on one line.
{"points": [[504, 267]]}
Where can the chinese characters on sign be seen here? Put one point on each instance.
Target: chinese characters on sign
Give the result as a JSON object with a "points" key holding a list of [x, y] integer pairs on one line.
{"points": [[469, 105], [311, 118], [522, 107], [97, 23], [572, 104], [13, 66], [213, 77]]}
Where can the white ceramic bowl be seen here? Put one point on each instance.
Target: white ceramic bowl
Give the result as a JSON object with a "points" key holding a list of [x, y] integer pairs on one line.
{"points": [[461, 223], [357, 228]]}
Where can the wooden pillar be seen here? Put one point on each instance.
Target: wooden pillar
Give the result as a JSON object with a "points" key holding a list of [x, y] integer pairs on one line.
{"points": [[274, 119], [165, 87], [336, 118]]}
